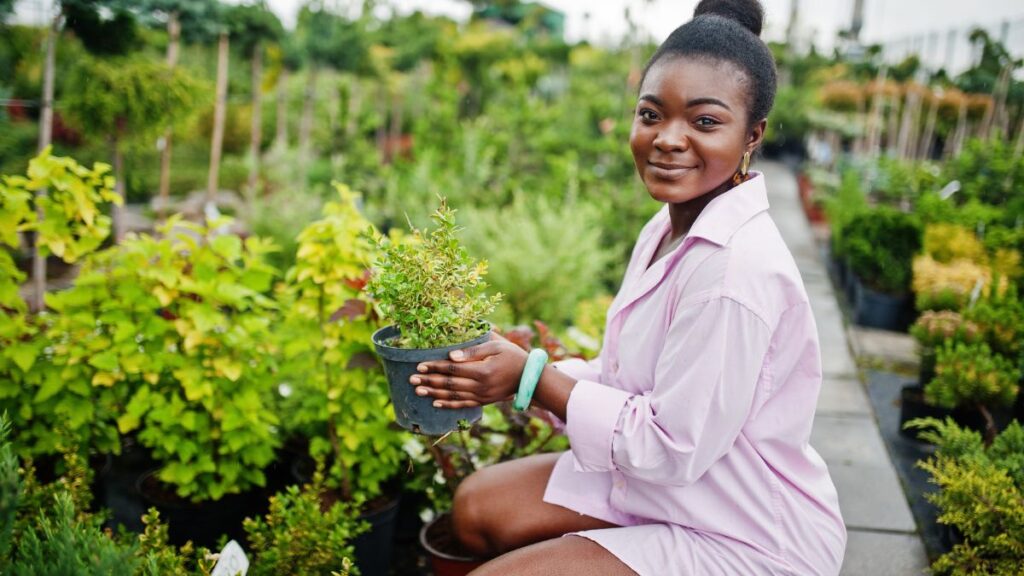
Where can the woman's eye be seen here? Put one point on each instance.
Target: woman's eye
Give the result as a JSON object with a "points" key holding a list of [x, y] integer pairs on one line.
{"points": [[705, 121], [648, 114]]}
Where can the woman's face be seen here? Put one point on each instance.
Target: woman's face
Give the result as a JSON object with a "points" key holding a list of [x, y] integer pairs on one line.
{"points": [[691, 128]]}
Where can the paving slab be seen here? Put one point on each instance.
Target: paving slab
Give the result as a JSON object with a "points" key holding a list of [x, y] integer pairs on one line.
{"points": [[883, 537], [843, 396], [880, 554], [889, 347]]}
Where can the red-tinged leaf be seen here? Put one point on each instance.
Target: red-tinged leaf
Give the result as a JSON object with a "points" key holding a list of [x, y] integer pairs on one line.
{"points": [[352, 309]]}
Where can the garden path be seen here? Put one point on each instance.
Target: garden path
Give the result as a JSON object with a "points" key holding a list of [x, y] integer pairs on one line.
{"points": [[883, 538]]}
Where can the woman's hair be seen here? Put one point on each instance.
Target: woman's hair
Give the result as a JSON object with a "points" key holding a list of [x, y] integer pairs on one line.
{"points": [[728, 31]]}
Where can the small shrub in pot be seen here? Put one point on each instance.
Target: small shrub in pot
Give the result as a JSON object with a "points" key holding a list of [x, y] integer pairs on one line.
{"points": [[434, 293]]}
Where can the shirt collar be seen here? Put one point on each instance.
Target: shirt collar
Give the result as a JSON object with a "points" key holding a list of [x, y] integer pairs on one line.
{"points": [[724, 215]]}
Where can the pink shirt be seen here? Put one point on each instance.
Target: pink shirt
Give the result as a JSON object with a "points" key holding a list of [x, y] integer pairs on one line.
{"points": [[698, 411]]}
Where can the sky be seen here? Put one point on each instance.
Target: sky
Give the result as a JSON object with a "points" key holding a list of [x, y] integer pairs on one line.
{"points": [[924, 25]]}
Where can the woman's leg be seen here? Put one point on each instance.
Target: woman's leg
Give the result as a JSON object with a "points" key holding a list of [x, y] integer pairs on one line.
{"points": [[501, 508], [569, 556]]}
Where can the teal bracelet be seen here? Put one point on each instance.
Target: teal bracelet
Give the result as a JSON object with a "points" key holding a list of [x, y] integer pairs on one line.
{"points": [[535, 363]]}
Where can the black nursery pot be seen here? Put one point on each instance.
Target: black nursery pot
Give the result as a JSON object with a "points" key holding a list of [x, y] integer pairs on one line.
{"points": [[879, 310], [913, 406], [417, 413]]}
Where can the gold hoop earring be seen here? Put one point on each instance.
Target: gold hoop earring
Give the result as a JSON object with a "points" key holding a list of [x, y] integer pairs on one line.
{"points": [[745, 164]]}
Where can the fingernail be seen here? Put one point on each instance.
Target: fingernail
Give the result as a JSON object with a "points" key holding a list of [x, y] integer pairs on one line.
{"points": [[422, 367], [421, 391], [437, 404], [457, 355], [415, 379]]}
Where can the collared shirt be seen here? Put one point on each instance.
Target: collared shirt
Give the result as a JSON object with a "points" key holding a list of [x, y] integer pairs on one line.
{"points": [[698, 410]]}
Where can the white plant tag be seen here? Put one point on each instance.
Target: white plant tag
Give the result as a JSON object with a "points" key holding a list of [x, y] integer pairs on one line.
{"points": [[232, 561], [976, 292], [949, 189]]}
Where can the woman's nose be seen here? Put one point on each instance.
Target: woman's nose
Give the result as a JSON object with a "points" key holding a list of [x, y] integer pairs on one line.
{"points": [[671, 138]]}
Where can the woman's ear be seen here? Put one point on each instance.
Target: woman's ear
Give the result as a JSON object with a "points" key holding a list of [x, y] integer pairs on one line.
{"points": [[756, 135]]}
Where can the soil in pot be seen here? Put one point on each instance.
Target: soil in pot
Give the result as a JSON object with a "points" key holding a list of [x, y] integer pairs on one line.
{"points": [[417, 413], [203, 523], [447, 556]]}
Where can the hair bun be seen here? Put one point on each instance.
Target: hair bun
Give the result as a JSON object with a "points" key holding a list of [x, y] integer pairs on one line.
{"points": [[748, 13]]}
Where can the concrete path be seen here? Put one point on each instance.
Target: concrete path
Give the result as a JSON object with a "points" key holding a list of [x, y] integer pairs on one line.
{"points": [[883, 538]]}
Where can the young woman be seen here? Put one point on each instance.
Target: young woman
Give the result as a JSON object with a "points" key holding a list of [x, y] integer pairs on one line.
{"points": [[690, 431]]}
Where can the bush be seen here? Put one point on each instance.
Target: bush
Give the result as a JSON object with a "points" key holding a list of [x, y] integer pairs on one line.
{"points": [[980, 495], [880, 245], [431, 288], [947, 242], [301, 534], [1001, 320], [542, 257]]}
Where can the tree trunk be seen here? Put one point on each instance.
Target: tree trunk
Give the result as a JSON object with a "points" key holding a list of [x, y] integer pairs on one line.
{"points": [[218, 118], [1018, 148], [45, 139], [257, 123], [173, 44], [119, 210], [306, 125], [281, 137]]}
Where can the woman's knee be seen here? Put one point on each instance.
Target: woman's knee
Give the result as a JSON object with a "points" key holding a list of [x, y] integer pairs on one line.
{"points": [[470, 517]]}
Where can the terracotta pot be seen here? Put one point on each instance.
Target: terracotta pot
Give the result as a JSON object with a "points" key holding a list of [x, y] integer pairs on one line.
{"points": [[446, 556]]}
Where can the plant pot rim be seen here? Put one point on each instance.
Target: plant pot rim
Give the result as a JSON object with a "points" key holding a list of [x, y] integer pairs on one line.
{"points": [[425, 542], [417, 354]]}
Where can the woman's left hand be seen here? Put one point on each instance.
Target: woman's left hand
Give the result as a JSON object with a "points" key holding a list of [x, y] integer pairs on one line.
{"points": [[474, 376]]}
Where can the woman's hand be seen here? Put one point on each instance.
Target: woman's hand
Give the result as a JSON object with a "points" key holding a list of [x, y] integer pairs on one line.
{"points": [[478, 375]]}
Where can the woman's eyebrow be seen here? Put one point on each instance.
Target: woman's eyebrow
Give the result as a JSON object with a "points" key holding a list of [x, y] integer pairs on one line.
{"points": [[707, 100], [652, 98]]}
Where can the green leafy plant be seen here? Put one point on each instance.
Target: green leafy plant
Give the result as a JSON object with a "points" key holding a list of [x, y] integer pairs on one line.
{"points": [[971, 375], [430, 287], [303, 535], [543, 257], [880, 245], [947, 242], [1001, 319], [200, 358], [336, 392], [74, 226], [980, 495]]}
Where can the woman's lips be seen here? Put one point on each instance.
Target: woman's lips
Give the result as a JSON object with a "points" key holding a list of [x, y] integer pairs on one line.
{"points": [[664, 171]]}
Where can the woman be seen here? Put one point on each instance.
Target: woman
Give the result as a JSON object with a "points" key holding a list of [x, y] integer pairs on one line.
{"points": [[690, 432]]}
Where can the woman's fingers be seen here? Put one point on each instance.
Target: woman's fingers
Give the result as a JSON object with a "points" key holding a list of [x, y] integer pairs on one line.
{"points": [[447, 391], [478, 352], [456, 404]]}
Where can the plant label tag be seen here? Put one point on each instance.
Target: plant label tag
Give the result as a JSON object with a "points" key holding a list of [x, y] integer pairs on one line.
{"points": [[949, 189], [976, 292], [232, 561]]}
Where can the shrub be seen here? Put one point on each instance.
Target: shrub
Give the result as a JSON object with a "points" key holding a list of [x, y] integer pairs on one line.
{"points": [[301, 534], [880, 245], [191, 328], [971, 375], [430, 287], [948, 242], [935, 328], [337, 392], [950, 286], [980, 495], [543, 258], [1001, 320]]}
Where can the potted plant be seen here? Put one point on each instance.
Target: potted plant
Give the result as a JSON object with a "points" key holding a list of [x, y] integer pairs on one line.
{"points": [[880, 245], [502, 434], [973, 378], [979, 497], [334, 394], [201, 372], [302, 535], [433, 292], [932, 330]]}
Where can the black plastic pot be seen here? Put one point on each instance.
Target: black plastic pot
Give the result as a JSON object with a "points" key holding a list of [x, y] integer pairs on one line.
{"points": [[205, 522], [913, 406], [879, 310], [417, 413], [373, 547], [446, 556]]}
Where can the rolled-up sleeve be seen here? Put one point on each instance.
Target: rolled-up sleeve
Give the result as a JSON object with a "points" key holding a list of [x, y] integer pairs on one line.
{"points": [[705, 382]]}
